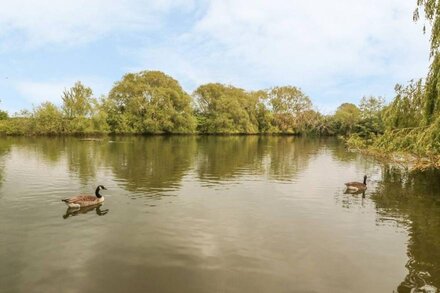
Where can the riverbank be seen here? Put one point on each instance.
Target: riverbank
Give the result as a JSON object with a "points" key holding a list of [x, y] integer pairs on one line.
{"points": [[403, 159]]}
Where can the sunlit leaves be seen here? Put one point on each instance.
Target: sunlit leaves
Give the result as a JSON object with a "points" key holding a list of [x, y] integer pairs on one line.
{"points": [[149, 102], [346, 117], [406, 110], [77, 101], [226, 109]]}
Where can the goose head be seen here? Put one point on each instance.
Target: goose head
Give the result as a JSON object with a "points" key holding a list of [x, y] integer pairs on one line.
{"points": [[99, 188]]}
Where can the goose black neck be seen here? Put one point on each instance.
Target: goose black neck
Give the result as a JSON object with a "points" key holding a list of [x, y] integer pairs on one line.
{"points": [[365, 180], [97, 192]]}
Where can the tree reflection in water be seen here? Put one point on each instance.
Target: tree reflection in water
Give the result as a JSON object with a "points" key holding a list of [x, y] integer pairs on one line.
{"points": [[151, 164], [5, 147], [413, 198], [225, 158]]}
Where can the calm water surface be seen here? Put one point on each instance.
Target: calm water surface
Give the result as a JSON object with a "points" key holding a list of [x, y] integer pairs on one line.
{"points": [[213, 214]]}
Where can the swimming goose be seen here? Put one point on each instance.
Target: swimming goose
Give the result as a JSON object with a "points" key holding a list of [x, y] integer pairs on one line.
{"points": [[80, 201], [357, 186]]}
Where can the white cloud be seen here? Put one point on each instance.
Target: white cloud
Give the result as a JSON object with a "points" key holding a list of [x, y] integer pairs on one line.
{"points": [[315, 37], [36, 23], [36, 92]]}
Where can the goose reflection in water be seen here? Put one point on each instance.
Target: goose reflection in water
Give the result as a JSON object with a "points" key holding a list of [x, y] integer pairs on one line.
{"points": [[354, 196], [348, 191], [85, 210]]}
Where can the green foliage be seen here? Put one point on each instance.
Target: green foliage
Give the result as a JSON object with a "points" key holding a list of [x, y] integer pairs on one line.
{"points": [[356, 142], [371, 123], [289, 100], [265, 119], [428, 141], [149, 102], [289, 105], [371, 107], [16, 126], [227, 109], [99, 117], [3, 115], [77, 101], [48, 119], [82, 114], [432, 92], [346, 118], [406, 110], [431, 9]]}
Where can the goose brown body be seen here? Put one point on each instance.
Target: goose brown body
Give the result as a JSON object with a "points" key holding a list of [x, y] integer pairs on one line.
{"points": [[85, 200], [357, 186]]}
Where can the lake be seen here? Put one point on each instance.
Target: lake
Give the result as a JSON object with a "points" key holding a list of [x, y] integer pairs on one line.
{"points": [[213, 214]]}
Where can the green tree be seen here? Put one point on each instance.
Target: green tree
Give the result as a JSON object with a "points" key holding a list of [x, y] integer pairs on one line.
{"points": [[312, 122], [431, 9], [149, 102], [289, 99], [100, 116], [371, 115], [346, 117], [263, 113], [406, 110], [227, 109], [288, 105], [48, 119], [3, 114], [78, 109], [432, 92], [77, 101], [371, 107]]}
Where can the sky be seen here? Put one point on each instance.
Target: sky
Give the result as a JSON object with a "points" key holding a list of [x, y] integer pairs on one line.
{"points": [[335, 51]]}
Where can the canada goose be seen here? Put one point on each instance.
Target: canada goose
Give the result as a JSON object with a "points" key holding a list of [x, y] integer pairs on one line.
{"points": [[80, 201], [357, 186]]}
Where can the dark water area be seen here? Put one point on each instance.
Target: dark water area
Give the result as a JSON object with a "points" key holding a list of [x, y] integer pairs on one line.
{"points": [[213, 214]]}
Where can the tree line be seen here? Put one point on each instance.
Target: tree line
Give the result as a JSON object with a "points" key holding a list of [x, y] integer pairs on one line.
{"points": [[151, 102]]}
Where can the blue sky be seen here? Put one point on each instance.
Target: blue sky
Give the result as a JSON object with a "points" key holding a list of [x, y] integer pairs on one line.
{"points": [[335, 51]]}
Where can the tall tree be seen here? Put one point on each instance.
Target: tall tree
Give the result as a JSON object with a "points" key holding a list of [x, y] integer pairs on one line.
{"points": [[149, 102], [289, 100], [3, 114], [347, 116], [288, 105], [431, 11], [227, 109], [406, 110], [77, 101], [371, 114]]}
